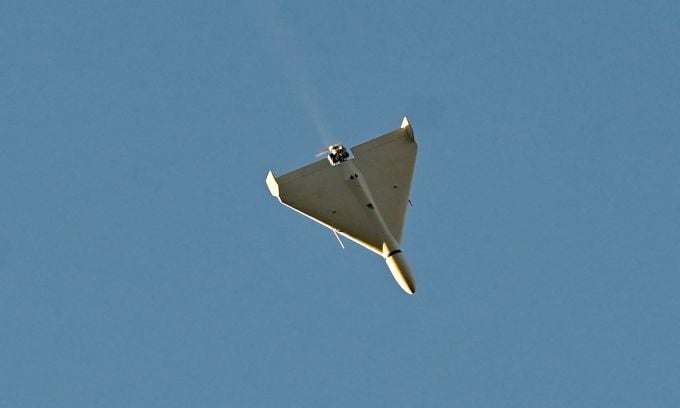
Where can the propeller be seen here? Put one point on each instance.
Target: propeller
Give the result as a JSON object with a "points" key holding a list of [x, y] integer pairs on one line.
{"points": [[330, 150]]}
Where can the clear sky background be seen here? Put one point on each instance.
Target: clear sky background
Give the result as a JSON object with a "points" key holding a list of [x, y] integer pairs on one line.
{"points": [[143, 262]]}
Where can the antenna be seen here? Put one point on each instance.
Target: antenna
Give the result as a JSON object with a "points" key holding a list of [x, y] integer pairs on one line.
{"points": [[335, 232]]}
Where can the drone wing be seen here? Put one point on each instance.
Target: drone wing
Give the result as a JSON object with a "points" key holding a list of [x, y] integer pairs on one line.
{"points": [[387, 162], [333, 196], [320, 191]]}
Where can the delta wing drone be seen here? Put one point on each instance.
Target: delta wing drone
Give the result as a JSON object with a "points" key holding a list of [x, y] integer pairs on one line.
{"points": [[360, 193]]}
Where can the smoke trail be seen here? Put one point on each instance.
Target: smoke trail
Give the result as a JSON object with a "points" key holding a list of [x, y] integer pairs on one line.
{"points": [[283, 47]]}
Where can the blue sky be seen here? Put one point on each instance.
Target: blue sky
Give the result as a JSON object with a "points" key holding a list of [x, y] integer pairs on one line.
{"points": [[144, 263]]}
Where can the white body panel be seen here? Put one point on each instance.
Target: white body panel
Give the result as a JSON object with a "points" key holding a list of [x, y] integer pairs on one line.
{"points": [[363, 199]]}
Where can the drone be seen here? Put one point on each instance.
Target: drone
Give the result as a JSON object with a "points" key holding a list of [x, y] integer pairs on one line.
{"points": [[359, 193]]}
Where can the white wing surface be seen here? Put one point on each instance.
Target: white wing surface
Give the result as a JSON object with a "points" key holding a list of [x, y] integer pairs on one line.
{"points": [[334, 197], [387, 163]]}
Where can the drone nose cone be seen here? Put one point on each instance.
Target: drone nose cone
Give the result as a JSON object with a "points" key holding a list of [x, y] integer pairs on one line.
{"points": [[411, 288], [407, 283], [401, 272]]}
